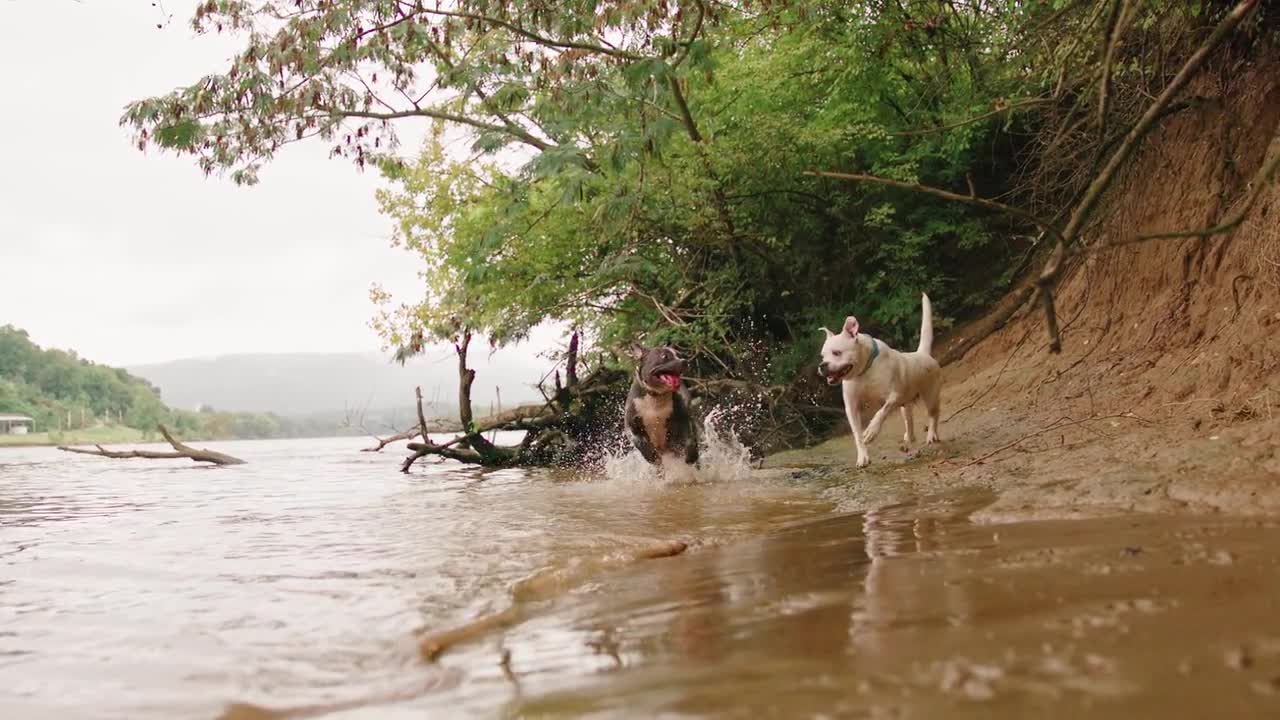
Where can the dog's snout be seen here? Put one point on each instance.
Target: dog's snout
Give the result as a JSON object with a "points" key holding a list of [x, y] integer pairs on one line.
{"points": [[822, 367]]}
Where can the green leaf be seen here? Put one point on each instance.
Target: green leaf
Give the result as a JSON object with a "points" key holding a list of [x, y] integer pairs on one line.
{"points": [[178, 136]]}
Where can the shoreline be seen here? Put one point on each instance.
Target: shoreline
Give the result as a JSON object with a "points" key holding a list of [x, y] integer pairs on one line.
{"points": [[75, 441]]}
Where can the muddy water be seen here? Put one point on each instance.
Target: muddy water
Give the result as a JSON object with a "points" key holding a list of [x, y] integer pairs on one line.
{"points": [[159, 590]]}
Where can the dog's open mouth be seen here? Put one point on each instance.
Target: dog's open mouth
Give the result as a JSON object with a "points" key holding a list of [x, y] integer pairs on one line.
{"points": [[668, 380], [835, 376]]}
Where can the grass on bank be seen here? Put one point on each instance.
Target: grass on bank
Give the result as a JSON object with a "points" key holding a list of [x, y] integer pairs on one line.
{"points": [[107, 434]]}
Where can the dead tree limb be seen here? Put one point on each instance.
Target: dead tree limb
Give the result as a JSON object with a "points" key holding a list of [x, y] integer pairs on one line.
{"points": [[555, 431], [466, 377], [1060, 423], [383, 442], [1001, 108], [1261, 181], [180, 450], [571, 362], [427, 447]]}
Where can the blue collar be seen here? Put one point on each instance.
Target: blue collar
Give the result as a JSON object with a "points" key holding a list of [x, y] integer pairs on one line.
{"points": [[875, 352]]}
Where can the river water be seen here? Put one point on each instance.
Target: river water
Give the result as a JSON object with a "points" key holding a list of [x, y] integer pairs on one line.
{"points": [[303, 580]]}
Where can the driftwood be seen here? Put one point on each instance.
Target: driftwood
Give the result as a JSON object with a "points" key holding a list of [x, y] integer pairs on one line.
{"points": [[558, 430], [180, 450]]}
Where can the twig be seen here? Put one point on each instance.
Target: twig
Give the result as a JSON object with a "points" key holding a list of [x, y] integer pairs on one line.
{"points": [[1261, 181], [1058, 424], [995, 382]]}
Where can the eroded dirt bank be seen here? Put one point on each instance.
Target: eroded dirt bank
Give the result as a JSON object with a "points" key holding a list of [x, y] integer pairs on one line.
{"points": [[1164, 396]]}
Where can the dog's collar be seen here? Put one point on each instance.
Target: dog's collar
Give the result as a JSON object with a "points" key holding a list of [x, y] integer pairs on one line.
{"points": [[875, 352]]}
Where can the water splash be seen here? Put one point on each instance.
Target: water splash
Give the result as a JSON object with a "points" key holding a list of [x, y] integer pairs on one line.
{"points": [[722, 458]]}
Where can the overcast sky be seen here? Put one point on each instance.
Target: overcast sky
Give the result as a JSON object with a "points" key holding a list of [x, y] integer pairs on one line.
{"points": [[133, 258]]}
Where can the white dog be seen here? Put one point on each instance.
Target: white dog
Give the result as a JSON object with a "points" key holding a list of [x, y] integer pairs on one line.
{"points": [[873, 371]]}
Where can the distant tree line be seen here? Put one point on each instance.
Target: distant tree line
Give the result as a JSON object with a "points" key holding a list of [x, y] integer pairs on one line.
{"points": [[62, 391]]}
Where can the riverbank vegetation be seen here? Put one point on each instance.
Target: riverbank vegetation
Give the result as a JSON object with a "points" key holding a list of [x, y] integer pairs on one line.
{"points": [[724, 177]]}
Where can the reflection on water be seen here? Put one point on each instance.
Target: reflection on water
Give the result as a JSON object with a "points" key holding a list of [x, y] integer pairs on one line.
{"points": [[161, 590]]}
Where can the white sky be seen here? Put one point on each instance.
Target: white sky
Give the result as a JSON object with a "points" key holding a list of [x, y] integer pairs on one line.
{"points": [[134, 258]]}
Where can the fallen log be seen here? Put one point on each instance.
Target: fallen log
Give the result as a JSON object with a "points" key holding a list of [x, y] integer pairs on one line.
{"points": [[180, 450]]}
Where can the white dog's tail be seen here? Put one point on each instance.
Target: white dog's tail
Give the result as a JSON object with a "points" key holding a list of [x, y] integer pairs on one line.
{"points": [[926, 326]]}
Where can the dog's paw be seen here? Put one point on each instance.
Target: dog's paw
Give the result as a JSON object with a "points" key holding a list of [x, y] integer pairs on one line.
{"points": [[870, 434], [932, 439], [864, 460]]}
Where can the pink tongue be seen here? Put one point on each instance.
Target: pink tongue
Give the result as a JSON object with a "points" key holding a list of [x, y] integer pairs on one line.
{"points": [[672, 381]]}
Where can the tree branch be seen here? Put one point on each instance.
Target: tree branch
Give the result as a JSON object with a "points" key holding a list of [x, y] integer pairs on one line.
{"points": [[383, 442], [530, 35], [516, 132], [180, 451], [1261, 181], [1001, 108], [992, 205]]}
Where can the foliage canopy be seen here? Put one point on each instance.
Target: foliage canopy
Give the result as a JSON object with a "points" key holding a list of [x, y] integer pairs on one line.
{"points": [[639, 167]]}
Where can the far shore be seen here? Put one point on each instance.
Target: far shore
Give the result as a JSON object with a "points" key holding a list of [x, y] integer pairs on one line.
{"points": [[122, 435]]}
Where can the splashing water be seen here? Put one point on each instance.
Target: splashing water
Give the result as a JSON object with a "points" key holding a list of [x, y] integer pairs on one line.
{"points": [[723, 458]]}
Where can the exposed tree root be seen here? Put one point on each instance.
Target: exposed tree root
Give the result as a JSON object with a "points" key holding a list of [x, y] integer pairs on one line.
{"points": [[558, 430]]}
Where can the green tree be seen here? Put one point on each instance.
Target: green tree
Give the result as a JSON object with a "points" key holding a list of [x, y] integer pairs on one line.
{"points": [[645, 166]]}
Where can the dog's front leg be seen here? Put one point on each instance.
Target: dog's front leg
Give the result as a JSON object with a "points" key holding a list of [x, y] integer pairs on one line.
{"points": [[854, 413], [873, 427]]}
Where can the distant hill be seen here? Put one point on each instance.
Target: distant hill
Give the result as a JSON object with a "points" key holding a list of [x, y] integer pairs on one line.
{"points": [[297, 384], [59, 389], [71, 398]]}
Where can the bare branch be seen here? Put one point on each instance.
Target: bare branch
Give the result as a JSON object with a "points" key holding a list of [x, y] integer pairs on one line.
{"points": [[1261, 181], [383, 442], [180, 450]]}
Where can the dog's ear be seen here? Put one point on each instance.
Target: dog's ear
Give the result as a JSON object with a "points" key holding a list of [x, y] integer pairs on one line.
{"points": [[851, 326], [635, 351], [826, 332]]}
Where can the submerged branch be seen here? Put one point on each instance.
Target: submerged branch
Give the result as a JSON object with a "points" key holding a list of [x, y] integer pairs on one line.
{"points": [[180, 450]]}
